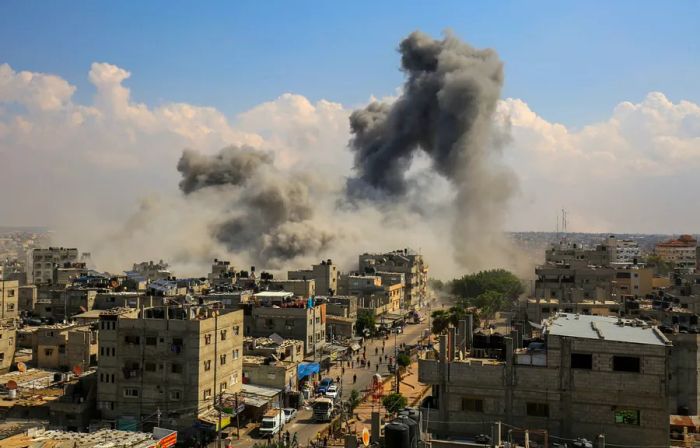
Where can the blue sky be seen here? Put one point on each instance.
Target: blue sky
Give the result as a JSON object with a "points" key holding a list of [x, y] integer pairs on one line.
{"points": [[571, 62]]}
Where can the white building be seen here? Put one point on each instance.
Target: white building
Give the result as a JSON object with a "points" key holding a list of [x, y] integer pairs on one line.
{"points": [[623, 251]]}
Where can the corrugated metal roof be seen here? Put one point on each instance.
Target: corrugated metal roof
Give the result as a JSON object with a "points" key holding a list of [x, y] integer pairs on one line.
{"points": [[604, 328]]}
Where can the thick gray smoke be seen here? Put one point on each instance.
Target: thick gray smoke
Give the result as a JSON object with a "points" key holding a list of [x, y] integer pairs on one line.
{"points": [[445, 110], [270, 214]]}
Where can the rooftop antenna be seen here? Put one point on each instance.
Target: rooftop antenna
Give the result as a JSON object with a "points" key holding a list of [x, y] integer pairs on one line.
{"points": [[563, 221]]}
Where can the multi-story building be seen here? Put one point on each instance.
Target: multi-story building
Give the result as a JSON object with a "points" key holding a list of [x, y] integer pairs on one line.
{"points": [[324, 274], [27, 298], [573, 281], [623, 251], [44, 261], [174, 360], [682, 252], [593, 375], [404, 261], [9, 299], [65, 347], [290, 320]]}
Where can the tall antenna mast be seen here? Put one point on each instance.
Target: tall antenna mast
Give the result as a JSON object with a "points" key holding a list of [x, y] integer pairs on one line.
{"points": [[563, 220]]}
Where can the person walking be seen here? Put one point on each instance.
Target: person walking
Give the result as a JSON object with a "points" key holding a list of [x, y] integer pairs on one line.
{"points": [[368, 364], [377, 367], [354, 378]]}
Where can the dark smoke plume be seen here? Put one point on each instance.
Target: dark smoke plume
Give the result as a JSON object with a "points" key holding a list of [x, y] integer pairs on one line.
{"points": [[445, 110], [271, 214]]}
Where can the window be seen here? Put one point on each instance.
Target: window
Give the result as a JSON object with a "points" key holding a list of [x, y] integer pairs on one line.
{"points": [[130, 339], [234, 377], [223, 335], [48, 352], [175, 395], [207, 339], [207, 394], [10, 307], [62, 348], [151, 340], [207, 365], [131, 392], [222, 359], [236, 354], [222, 386], [538, 409], [581, 361], [626, 364], [177, 341], [11, 293], [236, 330], [627, 417], [105, 405], [150, 367], [176, 368], [472, 405]]}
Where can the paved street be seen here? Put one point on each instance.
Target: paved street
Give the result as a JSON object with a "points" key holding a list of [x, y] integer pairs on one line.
{"points": [[305, 428]]}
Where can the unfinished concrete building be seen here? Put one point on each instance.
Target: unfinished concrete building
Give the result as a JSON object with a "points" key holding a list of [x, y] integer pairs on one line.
{"points": [[592, 375]]}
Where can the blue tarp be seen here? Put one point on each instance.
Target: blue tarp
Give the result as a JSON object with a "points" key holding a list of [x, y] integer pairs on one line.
{"points": [[305, 369]]}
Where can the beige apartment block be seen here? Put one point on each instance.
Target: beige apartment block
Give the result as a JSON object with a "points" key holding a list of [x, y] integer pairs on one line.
{"points": [[173, 360], [9, 299]]}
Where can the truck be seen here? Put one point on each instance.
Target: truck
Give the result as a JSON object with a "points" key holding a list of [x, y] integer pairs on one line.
{"points": [[323, 409], [272, 423]]}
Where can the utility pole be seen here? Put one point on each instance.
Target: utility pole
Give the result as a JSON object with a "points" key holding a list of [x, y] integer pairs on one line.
{"points": [[216, 384], [396, 363], [158, 416], [238, 420], [498, 434]]}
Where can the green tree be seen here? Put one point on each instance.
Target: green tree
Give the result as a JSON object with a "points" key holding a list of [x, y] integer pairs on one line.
{"points": [[436, 284], [365, 319], [394, 402], [499, 280], [403, 360], [442, 319], [354, 399], [661, 267]]}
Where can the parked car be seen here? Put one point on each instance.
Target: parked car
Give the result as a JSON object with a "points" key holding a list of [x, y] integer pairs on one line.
{"points": [[323, 385], [289, 414], [397, 330], [332, 391]]}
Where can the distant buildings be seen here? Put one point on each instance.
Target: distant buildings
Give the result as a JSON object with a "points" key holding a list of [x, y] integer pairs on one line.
{"points": [[324, 274], [682, 252], [403, 261], [44, 261]]}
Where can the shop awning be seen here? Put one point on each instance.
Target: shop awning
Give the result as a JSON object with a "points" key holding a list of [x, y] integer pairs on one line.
{"points": [[305, 369]]}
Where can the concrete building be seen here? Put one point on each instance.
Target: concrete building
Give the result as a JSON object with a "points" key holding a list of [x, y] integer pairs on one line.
{"points": [[175, 360], [592, 375], [76, 408], [283, 349], [623, 251], [293, 320], [404, 261], [339, 327], [262, 371], [343, 306], [65, 347], [27, 298], [300, 288], [540, 309], [9, 299], [682, 252], [567, 252], [44, 261], [8, 344], [573, 281], [324, 274], [150, 271]]}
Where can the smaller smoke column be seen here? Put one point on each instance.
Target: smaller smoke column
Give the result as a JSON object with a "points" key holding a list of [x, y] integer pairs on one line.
{"points": [[271, 214], [445, 110]]}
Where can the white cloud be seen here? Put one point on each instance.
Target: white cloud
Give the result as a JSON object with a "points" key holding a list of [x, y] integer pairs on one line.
{"points": [[84, 168]]}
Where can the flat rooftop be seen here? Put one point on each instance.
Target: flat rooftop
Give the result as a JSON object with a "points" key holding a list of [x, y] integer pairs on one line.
{"points": [[604, 328]]}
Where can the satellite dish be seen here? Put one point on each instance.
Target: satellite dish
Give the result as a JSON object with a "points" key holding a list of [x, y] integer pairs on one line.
{"points": [[22, 367], [77, 370], [365, 437], [11, 385]]}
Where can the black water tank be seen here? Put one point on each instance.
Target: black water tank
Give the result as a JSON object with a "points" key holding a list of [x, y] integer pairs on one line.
{"points": [[396, 435], [412, 429], [414, 413]]}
